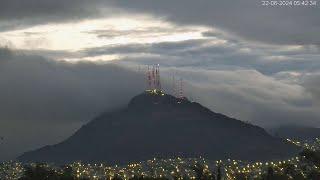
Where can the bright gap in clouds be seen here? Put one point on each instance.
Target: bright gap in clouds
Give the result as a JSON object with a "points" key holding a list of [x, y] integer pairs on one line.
{"points": [[100, 32]]}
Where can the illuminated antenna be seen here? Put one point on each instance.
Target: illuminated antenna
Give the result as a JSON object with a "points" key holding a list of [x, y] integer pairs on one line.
{"points": [[174, 89], [153, 78], [181, 89], [158, 77], [149, 78]]}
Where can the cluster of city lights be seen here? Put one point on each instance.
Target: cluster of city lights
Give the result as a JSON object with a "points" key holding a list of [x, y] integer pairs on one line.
{"points": [[313, 146], [179, 168], [11, 170]]}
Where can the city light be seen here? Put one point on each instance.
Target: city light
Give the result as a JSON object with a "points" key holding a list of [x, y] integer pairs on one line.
{"points": [[181, 168]]}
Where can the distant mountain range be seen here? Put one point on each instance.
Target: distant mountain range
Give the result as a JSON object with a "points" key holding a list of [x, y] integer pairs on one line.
{"points": [[160, 125], [300, 133]]}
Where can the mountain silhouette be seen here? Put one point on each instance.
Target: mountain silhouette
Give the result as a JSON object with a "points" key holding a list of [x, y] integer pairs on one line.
{"points": [[295, 132], [162, 126]]}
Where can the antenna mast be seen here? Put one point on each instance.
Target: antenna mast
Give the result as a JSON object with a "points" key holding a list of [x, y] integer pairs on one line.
{"points": [[181, 89], [174, 86], [149, 78], [153, 78], [154, 81], [158, 77]]}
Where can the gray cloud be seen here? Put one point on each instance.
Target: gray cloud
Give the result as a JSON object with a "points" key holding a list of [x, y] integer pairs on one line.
{"points": [[18, 14], [153, 31], [312, 83], [42, 97], [248, 18], [212, 54], [254, 97], [44, 101], [237, 79]]}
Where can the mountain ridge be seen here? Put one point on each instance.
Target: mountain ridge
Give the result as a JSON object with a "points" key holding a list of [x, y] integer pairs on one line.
{"points": [[159, 125]]}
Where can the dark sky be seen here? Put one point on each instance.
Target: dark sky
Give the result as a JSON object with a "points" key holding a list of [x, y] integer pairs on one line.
{"points": [[64, 62]]}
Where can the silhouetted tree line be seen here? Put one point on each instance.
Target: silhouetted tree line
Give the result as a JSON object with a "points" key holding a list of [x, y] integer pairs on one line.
{"points": [[312, 156], [42, 172]]}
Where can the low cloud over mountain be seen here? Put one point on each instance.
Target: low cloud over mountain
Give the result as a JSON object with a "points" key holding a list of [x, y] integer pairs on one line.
{"points": [[41, 97]]}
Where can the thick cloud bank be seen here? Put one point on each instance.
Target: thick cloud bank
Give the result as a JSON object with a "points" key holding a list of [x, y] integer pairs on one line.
{"points": [[17, 14], [44, 101], [246, 18]]}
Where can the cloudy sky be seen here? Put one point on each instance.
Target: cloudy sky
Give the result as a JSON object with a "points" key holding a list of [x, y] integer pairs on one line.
{"points": [[64, 62]]}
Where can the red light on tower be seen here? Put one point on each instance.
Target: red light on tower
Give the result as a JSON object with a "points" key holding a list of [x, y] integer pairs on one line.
{"points": [[153, 78]]}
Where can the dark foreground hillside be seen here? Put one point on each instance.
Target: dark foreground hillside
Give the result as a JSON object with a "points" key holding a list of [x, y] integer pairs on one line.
{"points": [[160, 125]]}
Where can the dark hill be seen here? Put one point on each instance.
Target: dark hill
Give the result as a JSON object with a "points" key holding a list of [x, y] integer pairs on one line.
{"points": [[161, 126]]}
